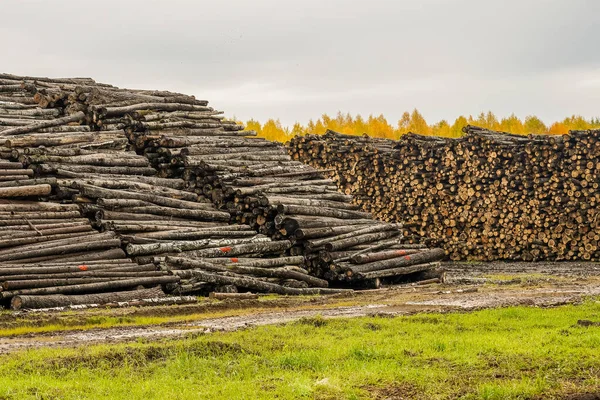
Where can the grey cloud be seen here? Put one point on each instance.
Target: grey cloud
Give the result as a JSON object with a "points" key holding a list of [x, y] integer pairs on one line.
{"points": [[297, 59]]}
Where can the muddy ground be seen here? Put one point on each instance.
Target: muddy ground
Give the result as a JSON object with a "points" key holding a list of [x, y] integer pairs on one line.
{"points": [[468, 287]]}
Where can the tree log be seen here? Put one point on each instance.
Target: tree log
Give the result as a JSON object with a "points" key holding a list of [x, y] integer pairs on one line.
{"points": [[405, 261], [21, 302], [399, 271], [255, 284], [93, 287], [77, 117], [23, 191]]}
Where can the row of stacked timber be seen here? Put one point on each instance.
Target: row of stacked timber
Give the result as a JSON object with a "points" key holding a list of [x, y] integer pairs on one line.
{"points": [[89, 167], [485, 196], [259, 186], [129, 189], [50, 253]]}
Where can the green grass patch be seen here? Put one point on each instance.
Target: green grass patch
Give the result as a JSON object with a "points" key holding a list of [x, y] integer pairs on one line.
{"points": [[508, 353]]}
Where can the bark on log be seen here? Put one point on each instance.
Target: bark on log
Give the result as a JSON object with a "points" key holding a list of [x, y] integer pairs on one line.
{"points": [[356, 232], [182, 246], [25, 191], [65, 249], [383, 255], [54, 282], [77, 117], [360, 239], [251, 249], [21, 302], [93, 287], [6, 243], [278, 273], [261, 263], [412, 259], [196, 234], [255, 284], [99, 273], [399, 271], [10, 270], [114, 111]]}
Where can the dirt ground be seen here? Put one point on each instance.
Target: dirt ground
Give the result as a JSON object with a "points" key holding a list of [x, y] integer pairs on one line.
{"points": [[468, 287]]}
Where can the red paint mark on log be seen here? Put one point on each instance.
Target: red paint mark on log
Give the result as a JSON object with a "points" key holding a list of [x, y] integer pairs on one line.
{"points": [[234, 260], [225, 249], [83, 267]]}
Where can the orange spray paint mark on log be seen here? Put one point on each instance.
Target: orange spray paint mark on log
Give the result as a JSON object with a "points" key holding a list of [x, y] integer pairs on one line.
{"points": [[83, 267], [225, 249], [234, 260]]}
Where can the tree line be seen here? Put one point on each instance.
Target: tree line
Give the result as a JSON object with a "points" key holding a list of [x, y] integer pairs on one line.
{"points": [[378, 126]]}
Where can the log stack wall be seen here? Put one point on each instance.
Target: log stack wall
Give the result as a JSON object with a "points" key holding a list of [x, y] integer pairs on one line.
{"points": [[486, 196], [259, 185], [145, 188]]}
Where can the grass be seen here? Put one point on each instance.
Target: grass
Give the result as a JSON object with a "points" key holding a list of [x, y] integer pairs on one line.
{"points": [[509, 353]]}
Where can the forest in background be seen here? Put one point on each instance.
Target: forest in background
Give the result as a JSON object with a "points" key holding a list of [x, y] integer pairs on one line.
{"points": [[378, 126]]}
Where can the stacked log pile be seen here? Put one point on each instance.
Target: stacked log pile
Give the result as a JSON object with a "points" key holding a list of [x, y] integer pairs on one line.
{"points": [[47, 246], [163, 177], [258, 184], [75, 159], [485, 196]]}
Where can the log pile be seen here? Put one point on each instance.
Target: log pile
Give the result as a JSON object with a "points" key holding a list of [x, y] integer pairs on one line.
{"points": [[486, 196], [166, 182], [120, 191], [260, 186], [47, 245]]}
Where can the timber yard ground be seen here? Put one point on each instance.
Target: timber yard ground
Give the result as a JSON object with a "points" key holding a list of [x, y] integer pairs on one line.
{"points": [[532, 335]]}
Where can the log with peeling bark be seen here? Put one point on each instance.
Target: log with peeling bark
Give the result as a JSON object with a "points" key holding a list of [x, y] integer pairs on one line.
{"points": [[146, 302], [21, 302], [254, 284], [77, 117], [281, 272], [93, 287]]}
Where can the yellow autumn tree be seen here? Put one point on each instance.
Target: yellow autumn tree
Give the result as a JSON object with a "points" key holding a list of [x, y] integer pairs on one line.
{"points": [[404, 124], [576, 122], [534, 125], [558, 128], [418, 124], [360, 125], [456, 128], [512, 124], [253, 125], [442, 129], [272, 130], [298, 130], [485, 120], [378, 126]]}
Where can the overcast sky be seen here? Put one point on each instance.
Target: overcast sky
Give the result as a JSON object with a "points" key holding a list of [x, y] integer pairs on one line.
{"points": [[298, 59]]}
